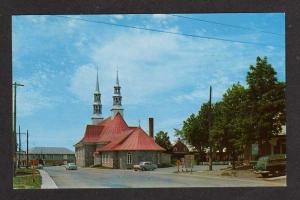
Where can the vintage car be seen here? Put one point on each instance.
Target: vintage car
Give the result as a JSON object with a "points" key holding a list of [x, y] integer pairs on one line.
{"points": [[144, 166], [71, 166], [272, 164], [40, 166]]}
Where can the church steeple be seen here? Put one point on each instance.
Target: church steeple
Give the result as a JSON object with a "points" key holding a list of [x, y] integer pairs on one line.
{"points": [[97, 106], [117, 99]]}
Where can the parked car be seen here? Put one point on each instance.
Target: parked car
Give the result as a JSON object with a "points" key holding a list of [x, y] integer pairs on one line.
{"points": [[145, 165], [40, 166], [272, 164], [71, 166]]}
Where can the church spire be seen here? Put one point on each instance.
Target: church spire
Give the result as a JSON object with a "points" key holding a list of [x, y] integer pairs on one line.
{"points": [[97, 106], [97, 82], [117, 81], [117, 99]]}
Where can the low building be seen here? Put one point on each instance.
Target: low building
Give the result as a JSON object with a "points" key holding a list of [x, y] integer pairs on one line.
{"points": [[179, 150], [275, 145], [51, 155]]}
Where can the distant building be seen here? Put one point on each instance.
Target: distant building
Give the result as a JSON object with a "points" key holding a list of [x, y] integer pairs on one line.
{"points": [[179, 149], [110, 142], [275, 145], [51, 155]]}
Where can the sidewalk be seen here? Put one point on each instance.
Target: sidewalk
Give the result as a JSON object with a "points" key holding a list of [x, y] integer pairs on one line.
{"points": [[47, 181]]}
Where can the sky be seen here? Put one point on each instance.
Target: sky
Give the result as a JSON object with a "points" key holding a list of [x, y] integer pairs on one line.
{"points": [[162, 75]]}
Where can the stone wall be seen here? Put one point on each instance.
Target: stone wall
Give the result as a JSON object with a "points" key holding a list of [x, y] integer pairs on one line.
{"points": [[165, 158], [97, 159], [79, 154], [137, 157], [89, 154], [118, 160], [108, 159]]}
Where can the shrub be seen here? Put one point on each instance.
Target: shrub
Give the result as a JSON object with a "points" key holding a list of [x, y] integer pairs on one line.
{"points": [[164, 165]]}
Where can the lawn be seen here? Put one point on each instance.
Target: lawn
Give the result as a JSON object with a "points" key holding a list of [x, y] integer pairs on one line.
{"points": [[24, 180]]}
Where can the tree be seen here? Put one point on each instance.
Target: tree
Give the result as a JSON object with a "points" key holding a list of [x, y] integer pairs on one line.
{"points": [[235, 120], [195, 129], [217, 133], [162, 139], [266, 100]]}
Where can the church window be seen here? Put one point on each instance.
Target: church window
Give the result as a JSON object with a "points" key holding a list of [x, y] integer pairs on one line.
{"points": [[103, 158], [106, 158], [129, 158]]}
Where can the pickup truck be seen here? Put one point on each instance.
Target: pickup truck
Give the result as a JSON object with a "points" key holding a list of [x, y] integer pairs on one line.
{"points": [[272, 164], [143, 166]]}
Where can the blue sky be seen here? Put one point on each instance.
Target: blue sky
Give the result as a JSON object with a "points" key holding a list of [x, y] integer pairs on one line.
{"points": [[164, 76]]}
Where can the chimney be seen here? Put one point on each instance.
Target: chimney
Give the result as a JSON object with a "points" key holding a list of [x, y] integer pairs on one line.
{"points": [[151, 121]]}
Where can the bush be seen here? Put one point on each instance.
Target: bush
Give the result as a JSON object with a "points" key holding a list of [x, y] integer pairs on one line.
{"points": [[164, 165], [100, 167]]}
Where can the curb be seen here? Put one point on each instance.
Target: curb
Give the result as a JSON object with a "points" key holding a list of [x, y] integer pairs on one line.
{"points": [[275, 178], [47, 181]]}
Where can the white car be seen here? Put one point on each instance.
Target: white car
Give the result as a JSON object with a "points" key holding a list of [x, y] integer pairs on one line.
{"points": [[145, 165], [71, 166]]}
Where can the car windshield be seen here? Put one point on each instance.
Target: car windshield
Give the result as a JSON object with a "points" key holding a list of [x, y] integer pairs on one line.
{"points": [[144, 163], [71, 164], [262, 159]]}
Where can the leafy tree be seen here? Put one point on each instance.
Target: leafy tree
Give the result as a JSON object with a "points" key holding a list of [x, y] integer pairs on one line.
{"points": [[266, 100], [162, 139], [195, 129], [234, 122], [243, 116], [217, 133]]}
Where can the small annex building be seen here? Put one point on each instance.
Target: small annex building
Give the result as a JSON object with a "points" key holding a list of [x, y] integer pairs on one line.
{"points": [[179, 150], [111, 143], [50, 155]]}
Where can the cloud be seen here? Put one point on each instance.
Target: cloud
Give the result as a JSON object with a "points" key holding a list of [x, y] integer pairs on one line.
{"points": [[36, 18], [118, 16], [153, 64], [160, 16], [35, 95], [83, 82]]}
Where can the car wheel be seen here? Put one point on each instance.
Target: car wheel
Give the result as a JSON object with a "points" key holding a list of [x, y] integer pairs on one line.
{"points": [[265, 175]]}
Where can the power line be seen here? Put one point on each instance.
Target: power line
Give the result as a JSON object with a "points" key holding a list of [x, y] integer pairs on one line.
{"points": [[223, 24], [170, 32]]}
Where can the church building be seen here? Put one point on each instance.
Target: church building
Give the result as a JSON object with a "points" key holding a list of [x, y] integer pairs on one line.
{"points": [[111, 142]]}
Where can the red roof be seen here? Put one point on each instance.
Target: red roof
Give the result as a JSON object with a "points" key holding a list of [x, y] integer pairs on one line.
{"points": [[92, 134], [119, 136]]}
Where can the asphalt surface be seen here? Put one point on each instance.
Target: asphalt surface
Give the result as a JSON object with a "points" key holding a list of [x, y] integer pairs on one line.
{"points": [[115, 178]]}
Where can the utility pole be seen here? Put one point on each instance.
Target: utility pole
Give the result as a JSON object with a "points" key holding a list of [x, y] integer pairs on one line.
{"points": [[209, 129], [14, 139], [20, 147], [19, 159], [27, 159]]}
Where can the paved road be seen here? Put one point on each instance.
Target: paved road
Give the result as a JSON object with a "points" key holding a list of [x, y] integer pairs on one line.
{"points": [[114, 178]]}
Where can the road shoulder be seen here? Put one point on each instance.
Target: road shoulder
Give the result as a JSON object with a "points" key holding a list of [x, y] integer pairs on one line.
{"points": [[47, 181]]}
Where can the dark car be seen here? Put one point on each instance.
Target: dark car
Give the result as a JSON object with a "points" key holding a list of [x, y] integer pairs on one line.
{"points": [[272, 164]]}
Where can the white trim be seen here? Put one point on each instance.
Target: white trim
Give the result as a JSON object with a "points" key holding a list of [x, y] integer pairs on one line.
{"points": [[129, 158]]}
